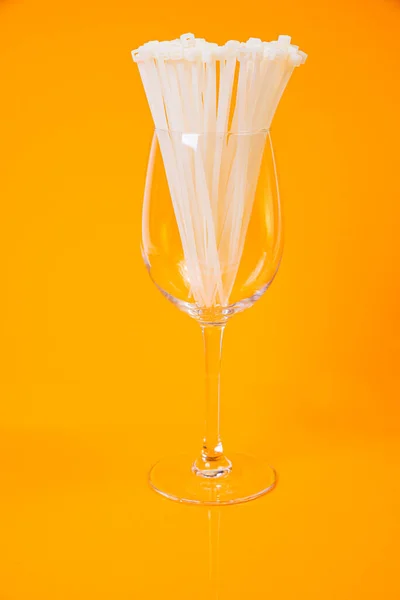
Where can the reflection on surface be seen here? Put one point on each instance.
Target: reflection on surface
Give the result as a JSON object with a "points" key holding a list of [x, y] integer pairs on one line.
{"points": [[78, 520], [214, 519]]}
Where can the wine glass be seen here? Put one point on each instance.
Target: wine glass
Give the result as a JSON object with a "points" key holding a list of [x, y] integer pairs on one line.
{"points": [[212, 242]]}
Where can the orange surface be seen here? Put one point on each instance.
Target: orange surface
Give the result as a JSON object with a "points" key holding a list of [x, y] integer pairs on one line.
{"points": [[100, 376]]}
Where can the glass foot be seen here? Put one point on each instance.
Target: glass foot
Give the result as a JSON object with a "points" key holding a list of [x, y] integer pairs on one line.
{"points": [[248, 479]]}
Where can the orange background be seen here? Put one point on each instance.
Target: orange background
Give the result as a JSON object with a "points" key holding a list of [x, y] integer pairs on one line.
{"points": [[100, 376]]}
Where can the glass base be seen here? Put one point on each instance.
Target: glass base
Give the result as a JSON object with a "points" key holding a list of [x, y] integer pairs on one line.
{"points": [[248, 479]]}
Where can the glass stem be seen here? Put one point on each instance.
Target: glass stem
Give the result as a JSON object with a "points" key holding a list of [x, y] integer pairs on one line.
{"points": [[212, 462]]}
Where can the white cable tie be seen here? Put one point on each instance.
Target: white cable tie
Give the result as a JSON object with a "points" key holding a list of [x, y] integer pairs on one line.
{"points": [[295, 59], [303, 56], [251, 42], [219, 53], [163, 50], [187, 36], [191, 54], [135, 54], [146, 53], [207, 54], [188, 40], [284, 39], [176, 53], [231, 48]]}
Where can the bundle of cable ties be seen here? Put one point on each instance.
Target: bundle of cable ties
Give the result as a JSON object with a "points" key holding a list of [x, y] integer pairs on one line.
{"points": [[198, 92]]}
